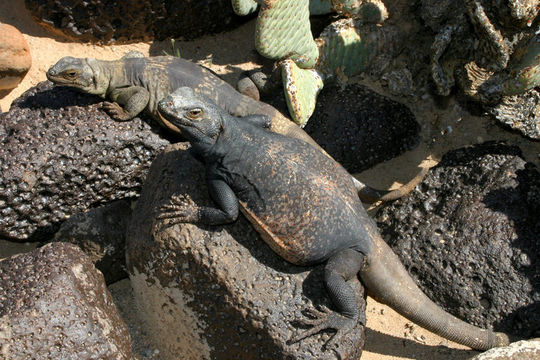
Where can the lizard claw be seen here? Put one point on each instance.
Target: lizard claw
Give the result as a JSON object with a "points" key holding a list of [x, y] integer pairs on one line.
{"points": [[180, 209], [326, 319], [115, 111]]}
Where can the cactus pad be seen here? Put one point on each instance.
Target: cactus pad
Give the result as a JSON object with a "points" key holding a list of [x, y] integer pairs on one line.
{"points": [[372, 11], [347, 47], [301, 88], [283, 31], [320, 7], [524, 68]]}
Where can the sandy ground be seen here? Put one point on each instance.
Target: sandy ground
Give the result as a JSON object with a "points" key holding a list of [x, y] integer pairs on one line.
{"points": [[389, 336]]}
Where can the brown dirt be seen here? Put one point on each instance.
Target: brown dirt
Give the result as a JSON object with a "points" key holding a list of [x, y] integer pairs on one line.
{"points": [[389, 336]]}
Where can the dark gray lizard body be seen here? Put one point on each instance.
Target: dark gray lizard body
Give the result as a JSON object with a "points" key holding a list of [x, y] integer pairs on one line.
{"points": [[306, 208], [136, 83]]}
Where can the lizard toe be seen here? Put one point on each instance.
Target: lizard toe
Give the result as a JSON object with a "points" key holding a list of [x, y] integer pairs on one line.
{"points": [[180, 209], [325, 320], [115, 111]]}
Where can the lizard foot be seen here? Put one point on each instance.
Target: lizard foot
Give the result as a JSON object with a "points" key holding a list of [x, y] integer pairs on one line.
{"points": [[326, 319], [180, 209], [116, 111]]}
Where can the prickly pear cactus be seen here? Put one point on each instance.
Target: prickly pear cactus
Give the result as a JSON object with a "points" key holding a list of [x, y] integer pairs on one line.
{"points": [[301, 87], [347, 47], [524, 68], [320, 7], [283, 32], [373, 11]]}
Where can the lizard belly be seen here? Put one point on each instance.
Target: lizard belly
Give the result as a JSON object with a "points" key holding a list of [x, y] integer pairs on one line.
{"points": [[309, 238], [294, 196], [285, 246]]}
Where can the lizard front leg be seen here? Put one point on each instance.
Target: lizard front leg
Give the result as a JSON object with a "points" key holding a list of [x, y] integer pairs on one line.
{"points": [[127, 102], [340, 268], [182, 209]]}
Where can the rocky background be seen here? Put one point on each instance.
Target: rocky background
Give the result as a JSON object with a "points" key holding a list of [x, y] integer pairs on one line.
{"points": [[468, 234]]}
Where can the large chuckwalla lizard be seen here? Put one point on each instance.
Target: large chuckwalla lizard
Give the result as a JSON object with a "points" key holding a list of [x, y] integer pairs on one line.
{"points": [[136, 83], [305, 207]]}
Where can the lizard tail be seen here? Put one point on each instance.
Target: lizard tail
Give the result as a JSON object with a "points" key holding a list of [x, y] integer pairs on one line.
{"points": [[407, 188], [389, 283], [370, 195]]}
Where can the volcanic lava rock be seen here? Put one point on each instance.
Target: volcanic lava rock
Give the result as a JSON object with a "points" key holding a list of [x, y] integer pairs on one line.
{"points": [[54, 305], [521, 350], [219, 292], [469, 235], [101, 234], [15, 59], [361, 128], [123, 21], [60, 154]]}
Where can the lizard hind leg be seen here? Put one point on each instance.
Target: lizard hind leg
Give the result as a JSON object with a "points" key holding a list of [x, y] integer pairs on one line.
{"points": [[340, 268]]}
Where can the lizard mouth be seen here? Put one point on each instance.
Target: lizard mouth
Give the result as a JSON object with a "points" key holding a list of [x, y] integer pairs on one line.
{"points": [[59, 80], [53, 78], [169, 115], [168, 124]]}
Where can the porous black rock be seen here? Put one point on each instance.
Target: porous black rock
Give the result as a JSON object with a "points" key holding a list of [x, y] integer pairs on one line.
{"points": [[54, 305], [219, 292], [468, 234], [520, 350], [361, 128], [60, 154], [101, 234], [124, 21]]}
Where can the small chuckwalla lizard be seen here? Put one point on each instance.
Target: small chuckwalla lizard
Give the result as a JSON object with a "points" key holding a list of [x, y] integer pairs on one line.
{"points": [[305, 207], [136, 83]]}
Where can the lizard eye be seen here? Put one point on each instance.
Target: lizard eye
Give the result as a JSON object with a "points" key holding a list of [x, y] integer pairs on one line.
{"points": [[70, 73], [194, 114]]}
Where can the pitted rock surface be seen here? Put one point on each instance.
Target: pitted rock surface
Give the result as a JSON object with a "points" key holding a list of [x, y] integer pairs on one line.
{"points": [[61, 155], [54, 305], [15, 59], [361, 128], [520, 350], [124, 21], [101, 234], [469, 235], [219, 292]]}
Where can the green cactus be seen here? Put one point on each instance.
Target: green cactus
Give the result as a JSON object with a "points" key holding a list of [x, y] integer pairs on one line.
{"points": [[283, 32], [320, 7], [301, 88], [524, 68], [347, 47]]}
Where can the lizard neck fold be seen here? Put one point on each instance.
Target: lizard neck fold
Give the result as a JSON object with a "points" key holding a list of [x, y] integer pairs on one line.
{"points": [[105, 76]]}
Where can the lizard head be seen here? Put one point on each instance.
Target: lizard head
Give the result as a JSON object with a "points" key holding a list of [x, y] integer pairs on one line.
{"points": [[82, 74], [198, 118]]}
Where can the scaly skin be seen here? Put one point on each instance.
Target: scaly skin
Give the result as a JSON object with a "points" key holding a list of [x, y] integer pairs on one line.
{"points": [[136, 83], [305, 206]]}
